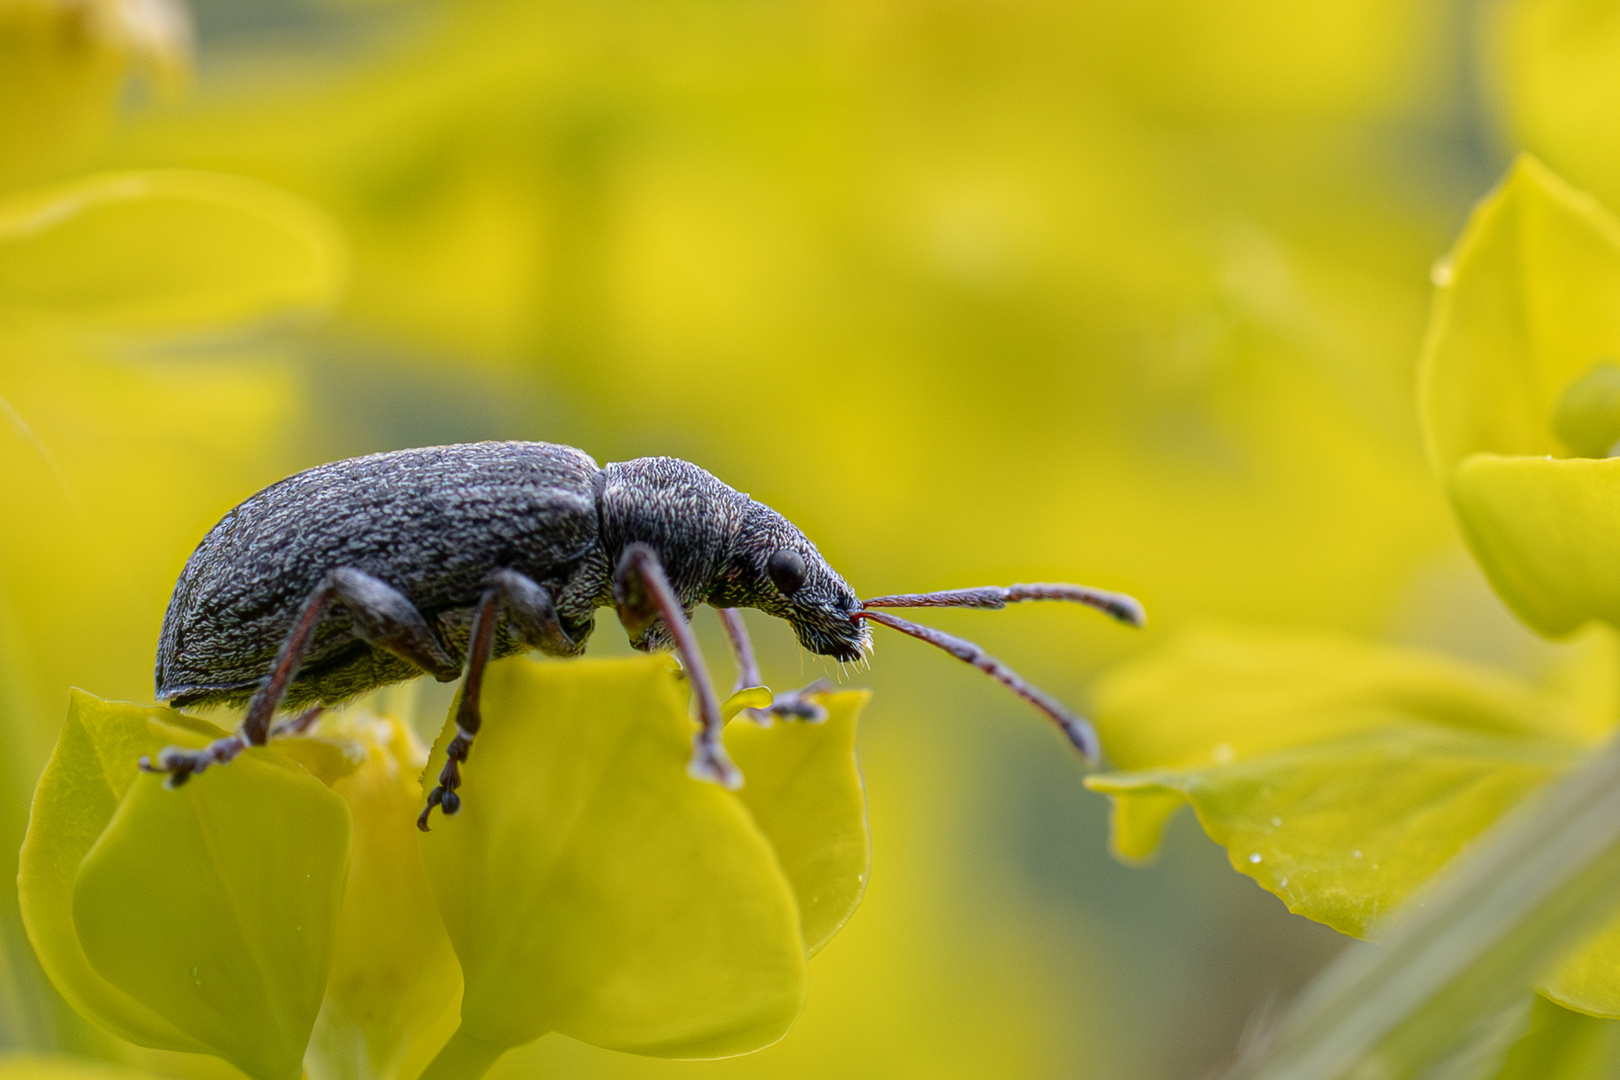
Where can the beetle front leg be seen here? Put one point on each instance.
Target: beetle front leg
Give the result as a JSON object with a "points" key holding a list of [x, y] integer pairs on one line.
{"points": [[643, 593], [793, 705]]}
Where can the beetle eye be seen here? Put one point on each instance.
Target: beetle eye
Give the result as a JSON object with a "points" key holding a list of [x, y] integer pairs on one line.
{"points": [[786, 570]]}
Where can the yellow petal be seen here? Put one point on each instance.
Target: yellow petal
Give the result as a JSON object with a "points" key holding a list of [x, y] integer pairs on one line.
{"points": [[1545, 531], [804, 792], [591, 888], [215, 904], [1529, 303], [198, 919], [751, 697], [1520, 362], [394, 978], [88, 775]]}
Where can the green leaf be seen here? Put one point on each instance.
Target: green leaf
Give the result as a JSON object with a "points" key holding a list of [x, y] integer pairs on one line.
{"points": [[1344, 830], [196, 919], [1526, 319], [1445, 992], [1343, 775], [591, 888], [167, 251], [804, 791]]}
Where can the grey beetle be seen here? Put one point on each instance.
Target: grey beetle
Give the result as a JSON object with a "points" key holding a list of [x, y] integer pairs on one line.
{"points": [[361, 573]]}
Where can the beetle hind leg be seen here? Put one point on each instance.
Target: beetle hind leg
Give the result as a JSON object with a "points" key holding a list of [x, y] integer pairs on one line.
{"points": [[180, 764], [383, 617]]}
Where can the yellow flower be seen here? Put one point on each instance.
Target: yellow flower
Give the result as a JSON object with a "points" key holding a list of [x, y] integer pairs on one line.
{"points": [[1520, 402], [199, 919], [63, 64], [278, 913]]}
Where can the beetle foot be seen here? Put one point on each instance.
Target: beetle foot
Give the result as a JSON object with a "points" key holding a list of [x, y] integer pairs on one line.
{"points": [[710, 763], [181, 764], [444, 795], [797, 705]]}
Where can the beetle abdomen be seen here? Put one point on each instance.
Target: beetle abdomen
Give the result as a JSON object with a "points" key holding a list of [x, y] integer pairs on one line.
{"points": [[430, 522]]}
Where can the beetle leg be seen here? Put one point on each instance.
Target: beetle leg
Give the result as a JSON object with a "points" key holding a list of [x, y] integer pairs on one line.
{"points": [[643, 592], [386, 619], [383, 617], [800, 704], [298, 724], [743, 648], [533, 617], [793, 705], [181, 763], [531, 614], [223, 751], [480, 648]]}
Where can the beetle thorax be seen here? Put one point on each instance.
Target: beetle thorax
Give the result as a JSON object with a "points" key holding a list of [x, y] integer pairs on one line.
{"points": [[685, 514]]}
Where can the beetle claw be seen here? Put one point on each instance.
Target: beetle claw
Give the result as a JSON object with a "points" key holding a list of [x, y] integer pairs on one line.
{"points": [[797, 705], [710, 764]]}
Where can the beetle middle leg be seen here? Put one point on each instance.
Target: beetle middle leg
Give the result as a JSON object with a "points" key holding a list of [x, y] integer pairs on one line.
{"points": [[795, 704], [531, 615], [383, 617], [642, 593]]}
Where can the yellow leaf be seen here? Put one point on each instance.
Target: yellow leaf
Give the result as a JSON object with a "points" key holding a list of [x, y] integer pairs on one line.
{"points": [[1541, 528], [89, 773], [61, 1067], [215, 904], [174, 251]]}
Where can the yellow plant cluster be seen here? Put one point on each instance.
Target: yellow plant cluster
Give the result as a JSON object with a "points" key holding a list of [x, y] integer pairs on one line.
{"points": [[1342, 775], [282, 914]]}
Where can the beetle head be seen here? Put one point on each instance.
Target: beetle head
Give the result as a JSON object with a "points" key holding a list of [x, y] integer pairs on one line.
{"points": [[774, 567]]}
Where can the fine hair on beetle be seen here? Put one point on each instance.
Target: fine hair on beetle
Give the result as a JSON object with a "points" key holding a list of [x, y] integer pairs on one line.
{"points": [[369, 571]]}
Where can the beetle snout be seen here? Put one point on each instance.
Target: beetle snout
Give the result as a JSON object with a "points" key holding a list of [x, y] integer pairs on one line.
{"points": [[833, 633]]}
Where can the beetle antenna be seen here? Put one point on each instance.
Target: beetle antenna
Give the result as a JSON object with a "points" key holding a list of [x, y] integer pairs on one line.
{"points": [[1121, 606], [1079, 732]]}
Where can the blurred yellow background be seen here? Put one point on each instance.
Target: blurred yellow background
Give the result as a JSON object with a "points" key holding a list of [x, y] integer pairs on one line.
{"points": [[1127, 293]]}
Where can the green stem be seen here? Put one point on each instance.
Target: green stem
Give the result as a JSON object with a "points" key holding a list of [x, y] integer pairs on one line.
{"points": [[464, 1057]]}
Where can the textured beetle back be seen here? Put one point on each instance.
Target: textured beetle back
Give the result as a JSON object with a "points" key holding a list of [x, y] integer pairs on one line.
{"points": [[430, 522]]}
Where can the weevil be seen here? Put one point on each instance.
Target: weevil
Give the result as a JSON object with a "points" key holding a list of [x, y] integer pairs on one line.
{"points": [[365, 572]]}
